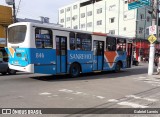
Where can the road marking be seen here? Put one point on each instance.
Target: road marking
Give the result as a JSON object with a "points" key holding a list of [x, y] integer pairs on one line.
{"points": [[68, 98], [133, 96], [134, 105], [80, 93], [77, 93], [152, 82], [136, 97], [100, 97], [66, 90], [45, 93], [112, 100], [142, 77]]}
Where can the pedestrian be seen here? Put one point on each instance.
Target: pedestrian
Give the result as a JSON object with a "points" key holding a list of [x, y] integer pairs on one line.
{"points": [[158, 65]]}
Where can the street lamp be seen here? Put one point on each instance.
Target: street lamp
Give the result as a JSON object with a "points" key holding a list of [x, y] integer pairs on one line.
{"points": [[12, 2]]}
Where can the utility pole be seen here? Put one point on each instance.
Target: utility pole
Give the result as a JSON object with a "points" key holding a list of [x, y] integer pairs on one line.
{"points": [[12, 2], [155, 7], [14, 12]]}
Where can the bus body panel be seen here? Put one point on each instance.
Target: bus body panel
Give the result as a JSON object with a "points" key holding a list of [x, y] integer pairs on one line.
{"points": [[25, 56], [112, 57], [82, 57]]}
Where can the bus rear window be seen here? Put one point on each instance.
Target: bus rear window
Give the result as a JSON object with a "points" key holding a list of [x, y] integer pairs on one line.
{"points": [[16, 34]]}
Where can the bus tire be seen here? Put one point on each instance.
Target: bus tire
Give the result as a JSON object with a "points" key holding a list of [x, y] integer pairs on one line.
{"points": [[117, 67], [4, 73], [74, 70], [11, 72]]}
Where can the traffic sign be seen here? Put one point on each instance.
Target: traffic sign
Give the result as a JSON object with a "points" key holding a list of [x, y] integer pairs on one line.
{"points": [[152, 39], [152, 30], [133, 4]]}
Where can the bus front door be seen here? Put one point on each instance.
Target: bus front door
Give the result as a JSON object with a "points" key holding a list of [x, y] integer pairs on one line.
{"points": [[61, 53], [129, 55], [98, 56]]}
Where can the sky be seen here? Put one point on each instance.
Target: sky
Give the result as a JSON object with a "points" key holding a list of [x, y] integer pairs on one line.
{"points": [[33, 9]]}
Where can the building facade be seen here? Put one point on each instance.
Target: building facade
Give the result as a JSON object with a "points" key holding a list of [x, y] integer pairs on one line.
{"points": [[109, 16], [5, 20], [106, 16]]}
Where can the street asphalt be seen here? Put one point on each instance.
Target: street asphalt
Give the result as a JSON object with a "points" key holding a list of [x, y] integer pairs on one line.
{"points": [[131, 88]]}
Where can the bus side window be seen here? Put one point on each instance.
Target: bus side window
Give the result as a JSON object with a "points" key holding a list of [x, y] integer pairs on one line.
{"points": [[111, 44], [72, 40], [43, 38], [121, 44], [84, 41]]}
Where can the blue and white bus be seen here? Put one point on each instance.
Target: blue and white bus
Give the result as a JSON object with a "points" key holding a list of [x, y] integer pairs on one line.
{"points": [[46, 49]]}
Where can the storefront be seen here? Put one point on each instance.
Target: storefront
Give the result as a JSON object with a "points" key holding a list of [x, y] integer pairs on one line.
{"points": [[5, 20], [141, 49]]}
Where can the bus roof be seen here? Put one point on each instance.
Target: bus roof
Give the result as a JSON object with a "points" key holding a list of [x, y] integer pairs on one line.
{"points": [[49, 26], [45, 25]]}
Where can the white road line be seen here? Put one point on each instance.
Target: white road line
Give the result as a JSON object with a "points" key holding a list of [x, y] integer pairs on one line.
{"points": [[112, 100], [134, 105], [66, 90], [147, 99], [142, 77], [152, 82], [80, 93], [100, 97], [133, 96], [45, 93]]}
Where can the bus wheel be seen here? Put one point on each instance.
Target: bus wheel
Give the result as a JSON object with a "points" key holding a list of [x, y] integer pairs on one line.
{"points": [[74, 70], [4, 73], [117, 67]]}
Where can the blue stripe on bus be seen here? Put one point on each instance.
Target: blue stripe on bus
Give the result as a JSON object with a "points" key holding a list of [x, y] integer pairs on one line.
{"points": [[46, 62]]}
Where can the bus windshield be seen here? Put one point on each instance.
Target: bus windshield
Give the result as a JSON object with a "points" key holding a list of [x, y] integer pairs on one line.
{"points": [[16, 34]]}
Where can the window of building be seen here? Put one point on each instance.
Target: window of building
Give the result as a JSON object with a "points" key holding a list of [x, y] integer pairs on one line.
{"points": [[142, 16], [126, 2], [75, 27], [112, 7], [140, 30], [80, 41], [82, 25], [124, 28], [82, 15], [62, 20], [68, 9], [74, 17], [125, 16], [121, 44], [148, 18], [111, 20], [89, 24], [147, 31], [112, 32], [62, 11], [111, 43], [99, 10], [43, 38], [68, 18], [89, 13], [75, 7], [99, 22]]}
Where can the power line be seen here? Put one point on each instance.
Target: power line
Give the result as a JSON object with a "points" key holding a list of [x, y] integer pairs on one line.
{"points": [[18, 7]]}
